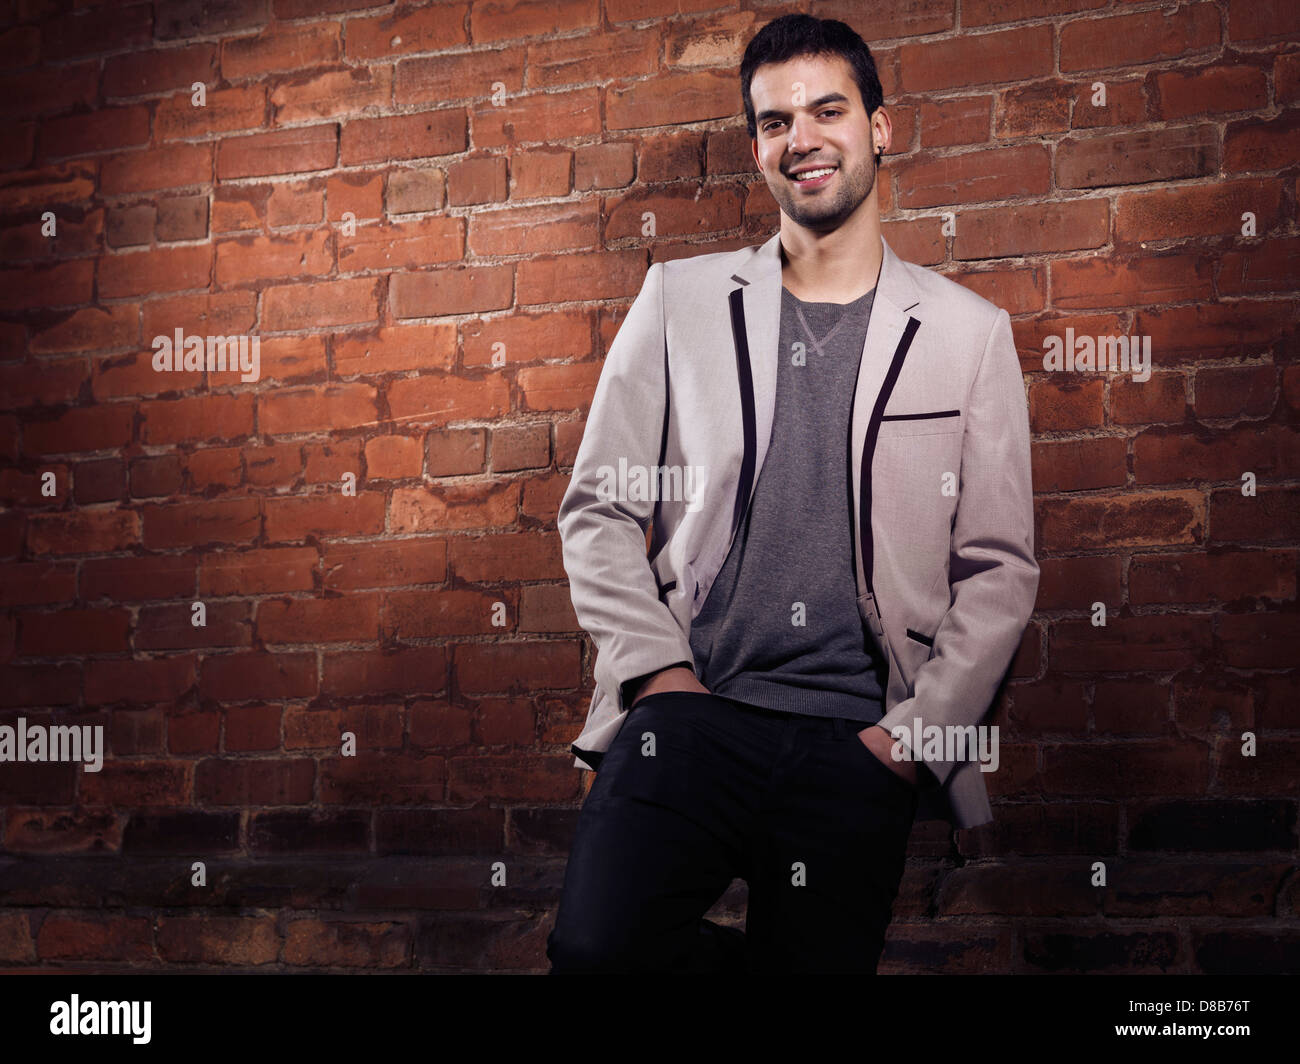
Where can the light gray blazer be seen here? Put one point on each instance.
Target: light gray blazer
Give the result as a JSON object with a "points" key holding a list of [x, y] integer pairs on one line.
{"points": [[946, 579]]}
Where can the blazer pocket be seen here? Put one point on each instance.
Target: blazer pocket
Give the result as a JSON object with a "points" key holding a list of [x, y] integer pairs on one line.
{"points": [[924, 640], [921, 423]]}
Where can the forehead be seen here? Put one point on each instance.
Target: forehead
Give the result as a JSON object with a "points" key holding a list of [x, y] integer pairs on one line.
{"points": [[819, 74]]}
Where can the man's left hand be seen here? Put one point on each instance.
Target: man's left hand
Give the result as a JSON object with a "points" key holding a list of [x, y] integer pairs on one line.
{"points": [[881, 743]]}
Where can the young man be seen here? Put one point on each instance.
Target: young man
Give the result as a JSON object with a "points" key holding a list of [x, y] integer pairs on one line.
{"points": [[832, 446]]}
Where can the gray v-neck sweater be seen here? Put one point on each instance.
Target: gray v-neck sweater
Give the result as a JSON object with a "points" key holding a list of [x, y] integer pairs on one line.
{"points": [[780, 627]]}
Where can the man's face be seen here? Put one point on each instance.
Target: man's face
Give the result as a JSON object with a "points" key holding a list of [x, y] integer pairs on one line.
{"points": [[800, 128]]}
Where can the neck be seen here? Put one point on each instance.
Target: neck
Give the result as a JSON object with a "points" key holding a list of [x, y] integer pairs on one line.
{"points": [[837, 266]]}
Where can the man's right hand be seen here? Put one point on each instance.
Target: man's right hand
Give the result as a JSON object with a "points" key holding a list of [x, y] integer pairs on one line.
{"points": [[677, 678]]}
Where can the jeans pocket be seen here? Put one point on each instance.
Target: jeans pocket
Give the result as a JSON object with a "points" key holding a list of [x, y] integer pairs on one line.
{"points": [[880, 767]]}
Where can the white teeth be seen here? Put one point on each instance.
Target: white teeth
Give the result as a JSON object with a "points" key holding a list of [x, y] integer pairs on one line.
{"points": [[809, 175]]}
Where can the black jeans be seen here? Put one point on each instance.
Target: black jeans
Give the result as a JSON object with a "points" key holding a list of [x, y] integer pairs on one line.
{"points": [[697, 789]]}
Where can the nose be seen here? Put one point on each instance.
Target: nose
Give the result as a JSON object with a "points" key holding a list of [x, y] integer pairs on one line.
{"points": [[803, 137]]}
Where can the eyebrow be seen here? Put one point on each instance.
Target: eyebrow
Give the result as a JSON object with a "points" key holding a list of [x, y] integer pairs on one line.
{"points": [[830, 97]]}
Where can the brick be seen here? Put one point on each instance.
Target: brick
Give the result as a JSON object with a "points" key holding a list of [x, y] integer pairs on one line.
{"points": [[87, 532], [396, 349], [43, 383], [1135, 158], [1200, 210], [456, 290], [192, 524], [974, 59], [397, 563], [557, 387], [361, 194], [347, 619], [479, 179], [554, 227], [686, 96], [331, 94], [209, 313], [171, 166], [394, 457], [413, 136], [404, 245], [1115, 282], [604, 275], [540, 173], [521, 337], [605, 165], [142, 73], [296, 202], [987, 12], [62, 284], [352, 301], [106, 129], [1144, 37], [47, 91], [437, 400], [183, 218], [243, 941], [1270, 266], [91, 329], [974, 176], [1262, 144], [280, 48], [137, 579], [257, 571], [250, 676], [261, 781], [329, 463], [454, 452], [36, 583], [42, 189], [254, 258], [416, 670], [1264, 20], [293, 358], [1206, 330], [1233, 392], [1017, 291], [286, 151], [422, 30], [455, 507], [208, 417], [959, 120], [171, 627], [121, 27], [1221, 577], [334, 407], [324, 516], [1126, 105], [1027, 228], [223, 111], [1212, 90], [410, 191], [142, 273], [87, 428], [1169, 456]]}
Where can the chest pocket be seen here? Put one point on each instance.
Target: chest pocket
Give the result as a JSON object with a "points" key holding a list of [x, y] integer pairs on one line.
{"points": [[921, 423]]}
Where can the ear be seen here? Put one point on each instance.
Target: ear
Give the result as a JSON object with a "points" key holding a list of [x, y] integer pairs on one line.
{"points": [[753, 148], [882, 130]]}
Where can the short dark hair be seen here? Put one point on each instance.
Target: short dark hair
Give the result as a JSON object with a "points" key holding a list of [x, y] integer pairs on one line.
{"points": [[797, 35]]}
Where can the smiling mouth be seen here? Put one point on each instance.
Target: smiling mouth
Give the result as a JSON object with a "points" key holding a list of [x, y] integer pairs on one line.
{"points": [[813, 176]]}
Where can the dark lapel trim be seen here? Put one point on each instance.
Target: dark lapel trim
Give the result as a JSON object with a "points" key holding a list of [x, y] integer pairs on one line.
{"points": [[869, 448], [746, 379]]}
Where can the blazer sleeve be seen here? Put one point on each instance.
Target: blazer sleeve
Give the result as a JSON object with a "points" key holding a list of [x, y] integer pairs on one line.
{"points": [[992, 575], [602, 531]]}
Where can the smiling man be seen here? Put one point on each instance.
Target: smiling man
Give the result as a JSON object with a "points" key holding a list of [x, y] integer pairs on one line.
{"points": [[857, 569]]}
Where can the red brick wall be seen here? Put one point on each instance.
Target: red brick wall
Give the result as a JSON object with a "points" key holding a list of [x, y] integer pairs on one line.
{"points": [[514, 225]]}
